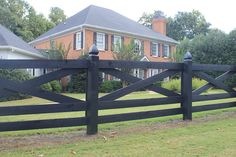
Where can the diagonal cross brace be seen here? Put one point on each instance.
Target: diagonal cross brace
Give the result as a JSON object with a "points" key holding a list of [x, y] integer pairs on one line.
{"points": [[30, 86], [222, 77], [137, 85], [214, 82], [132, 79]]}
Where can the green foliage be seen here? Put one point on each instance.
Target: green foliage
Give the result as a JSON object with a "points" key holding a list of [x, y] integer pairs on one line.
{"points": [[109, 86], [47, 87], [175, 84], [127, 53], [187, 25], [214, 48], [183, 25], [16, 75], [57, 15], [56, 86], [22, 19], [78, 83]]}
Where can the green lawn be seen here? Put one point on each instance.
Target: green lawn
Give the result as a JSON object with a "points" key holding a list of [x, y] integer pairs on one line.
{"points": [[214, 138], [135, 138], [135, 95]]}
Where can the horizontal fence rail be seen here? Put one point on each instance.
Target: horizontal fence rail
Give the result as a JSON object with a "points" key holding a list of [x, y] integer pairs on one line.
{"points": [[93, 104]]}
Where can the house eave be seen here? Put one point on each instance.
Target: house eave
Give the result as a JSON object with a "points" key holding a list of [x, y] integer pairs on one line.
{"points": [[28, 53], [101, 28]]}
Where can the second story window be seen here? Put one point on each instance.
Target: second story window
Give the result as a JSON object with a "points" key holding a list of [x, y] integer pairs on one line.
{"points": [[117, 43], [52, 44], [166, 51], [100, 41], [78, 41], [155, 49], [137, 46]]}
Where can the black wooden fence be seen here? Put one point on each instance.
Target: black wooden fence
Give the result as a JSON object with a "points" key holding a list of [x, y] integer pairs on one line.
{"points": [[92, 104]]}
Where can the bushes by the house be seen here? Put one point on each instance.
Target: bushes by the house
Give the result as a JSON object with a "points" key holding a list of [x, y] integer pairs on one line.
{"points": [[56, 86], [46, 86], [53, 86], [16, 75], [78, 83], [175, 84], [109, 86]]}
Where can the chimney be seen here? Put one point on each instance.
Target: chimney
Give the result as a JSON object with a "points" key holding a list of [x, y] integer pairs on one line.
{"points": [[159, 22]]}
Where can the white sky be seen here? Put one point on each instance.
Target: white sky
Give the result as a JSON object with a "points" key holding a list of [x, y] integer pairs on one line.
{"points": [[221, 14]]}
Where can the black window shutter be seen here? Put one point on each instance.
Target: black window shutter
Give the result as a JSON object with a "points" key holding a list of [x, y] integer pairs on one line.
{"points": [[106, 42], [74, 45], [170, 51], [159, 50], [112, 42], [151, 49], [82, 38], [95, 38]]}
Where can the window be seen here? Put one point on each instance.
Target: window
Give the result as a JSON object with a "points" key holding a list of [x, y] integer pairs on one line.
{"points": [[117, 43], [78, 41], [166, 51], [155, 49], [153, 72], [52, 44], [100, 41], [137, 46]]}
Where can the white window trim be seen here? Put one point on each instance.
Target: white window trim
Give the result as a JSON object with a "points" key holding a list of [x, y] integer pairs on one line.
{"points": [[78, 41], [103, 42], [157, 49]]}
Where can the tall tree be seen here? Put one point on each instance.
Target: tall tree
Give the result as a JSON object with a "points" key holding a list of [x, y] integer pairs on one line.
{"points": [[183, 25], [57, 15], [22, 19]]}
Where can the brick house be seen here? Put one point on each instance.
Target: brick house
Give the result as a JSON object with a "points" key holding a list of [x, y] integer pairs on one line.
{"points": [[106, 29]]}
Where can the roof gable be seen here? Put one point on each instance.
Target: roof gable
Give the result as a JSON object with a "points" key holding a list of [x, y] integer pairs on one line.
{"points": [[7, 38]]}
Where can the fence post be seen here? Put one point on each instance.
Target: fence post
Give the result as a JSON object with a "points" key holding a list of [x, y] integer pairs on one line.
{"points": [[92, 91], [186, 87]]}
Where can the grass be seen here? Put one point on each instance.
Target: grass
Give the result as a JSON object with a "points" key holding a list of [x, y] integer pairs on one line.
{"points": [[214, 138], [137, 95], [136, 138]]}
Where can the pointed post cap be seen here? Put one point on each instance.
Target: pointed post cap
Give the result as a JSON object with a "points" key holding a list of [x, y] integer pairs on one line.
{"points": [[93, 50], [187, 56]]}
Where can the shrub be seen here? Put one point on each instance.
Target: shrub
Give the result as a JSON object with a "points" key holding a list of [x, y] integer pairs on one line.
{"points": [[16, 75], [46, 86], [109, 86], [175, 84], [78, 83], [56, 86]]}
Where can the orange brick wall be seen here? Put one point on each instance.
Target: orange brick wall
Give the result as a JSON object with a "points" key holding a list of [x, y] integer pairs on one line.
{"points": [[104, 55]]}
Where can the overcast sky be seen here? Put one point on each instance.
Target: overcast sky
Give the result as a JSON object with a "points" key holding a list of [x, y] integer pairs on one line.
{"points": [[221, 14]]}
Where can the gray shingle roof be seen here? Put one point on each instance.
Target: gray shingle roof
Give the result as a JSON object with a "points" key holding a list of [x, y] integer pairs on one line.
{"points": [[7, 38], [107, 19]]}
